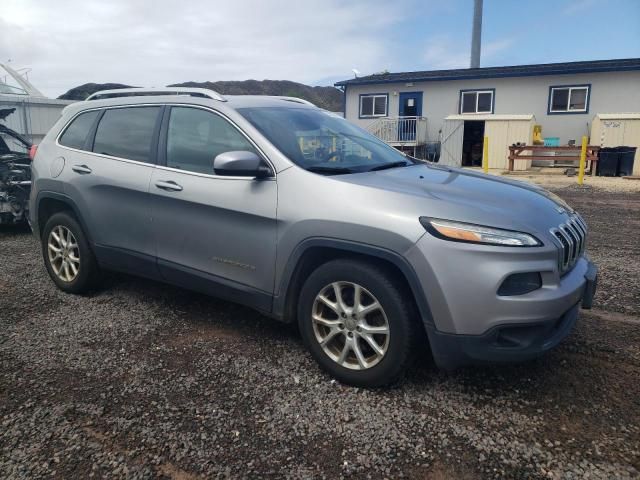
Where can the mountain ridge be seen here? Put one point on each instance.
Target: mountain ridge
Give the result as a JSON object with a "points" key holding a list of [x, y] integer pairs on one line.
{"points": [[329, 98]]}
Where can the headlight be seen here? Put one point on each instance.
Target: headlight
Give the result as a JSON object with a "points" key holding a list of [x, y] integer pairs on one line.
{"points": [[467, 232]]}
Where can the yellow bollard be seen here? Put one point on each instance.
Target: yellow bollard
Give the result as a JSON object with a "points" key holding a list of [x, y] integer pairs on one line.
{"points": [[583, 160], [485, 155]]}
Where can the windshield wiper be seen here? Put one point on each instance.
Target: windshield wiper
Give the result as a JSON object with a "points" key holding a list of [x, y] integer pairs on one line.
{"points": [[400, 163], [329, 170]]}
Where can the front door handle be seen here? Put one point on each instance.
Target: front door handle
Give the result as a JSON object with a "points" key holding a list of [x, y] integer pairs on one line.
{"points": [[169, 185], [81, 169]]}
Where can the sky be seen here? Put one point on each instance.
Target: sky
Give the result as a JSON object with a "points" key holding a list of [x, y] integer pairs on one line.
{"points": [[66, 43]]}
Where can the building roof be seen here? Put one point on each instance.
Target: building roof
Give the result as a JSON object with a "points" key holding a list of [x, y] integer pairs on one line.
{"points": [[565, 68], [618, 116]]}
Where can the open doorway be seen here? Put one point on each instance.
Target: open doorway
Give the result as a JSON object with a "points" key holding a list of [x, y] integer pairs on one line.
{"points": [[472, 142]]}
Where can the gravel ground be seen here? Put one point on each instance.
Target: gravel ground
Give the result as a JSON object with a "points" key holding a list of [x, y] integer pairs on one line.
{"points": [[556, 180], [143, 380]]}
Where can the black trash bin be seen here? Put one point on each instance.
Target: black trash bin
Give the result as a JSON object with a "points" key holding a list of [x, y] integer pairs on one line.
{"points": [[626, 155], [608, 162]]}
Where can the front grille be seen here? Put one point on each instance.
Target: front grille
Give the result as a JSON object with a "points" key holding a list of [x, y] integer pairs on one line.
{"points": [[571, 239]]}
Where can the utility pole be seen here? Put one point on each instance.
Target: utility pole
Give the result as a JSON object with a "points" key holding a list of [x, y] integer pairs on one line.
{"points": [[476, 36]]}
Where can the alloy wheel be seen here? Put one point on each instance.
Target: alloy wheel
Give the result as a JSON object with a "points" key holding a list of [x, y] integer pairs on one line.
{"points": [[64, 253], [350, 325]]}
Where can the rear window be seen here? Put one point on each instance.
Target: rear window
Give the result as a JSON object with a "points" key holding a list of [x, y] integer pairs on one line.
{"points": [[76, 133], [126, 133]]}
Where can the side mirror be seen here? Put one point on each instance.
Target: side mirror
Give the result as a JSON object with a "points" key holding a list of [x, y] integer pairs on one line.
{"points": [[241, 164]]}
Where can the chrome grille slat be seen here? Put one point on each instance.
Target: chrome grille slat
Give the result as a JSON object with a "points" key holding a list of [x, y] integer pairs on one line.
{"points": [[578, 223], [583, 231], [571, 239], [566, 260], [578, 234]]}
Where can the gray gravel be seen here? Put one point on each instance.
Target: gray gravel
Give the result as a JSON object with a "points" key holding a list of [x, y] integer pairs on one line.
{"points": [[143, 380]]}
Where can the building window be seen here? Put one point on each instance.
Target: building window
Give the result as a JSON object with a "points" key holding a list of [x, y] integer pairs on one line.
{"points": [[476, 101], [569, 99], [373, 105]]}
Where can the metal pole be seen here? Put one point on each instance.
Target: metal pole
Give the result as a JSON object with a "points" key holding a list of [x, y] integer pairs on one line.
{"points": [[485, 155], [583, 160], [476, 36]]}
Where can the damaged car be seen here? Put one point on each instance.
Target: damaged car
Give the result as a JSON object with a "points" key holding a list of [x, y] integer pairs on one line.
{"points": [[15, 173]]}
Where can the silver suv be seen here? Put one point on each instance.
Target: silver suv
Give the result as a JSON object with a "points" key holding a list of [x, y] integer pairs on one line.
{"points": [[289, 209]]}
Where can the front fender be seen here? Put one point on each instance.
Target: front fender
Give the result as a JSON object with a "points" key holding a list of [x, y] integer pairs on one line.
{"points": [[376, 252]]}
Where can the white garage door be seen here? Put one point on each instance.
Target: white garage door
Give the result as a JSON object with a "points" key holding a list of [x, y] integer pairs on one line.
{"points": [[616, 130], [451, 143], [504, 133]]}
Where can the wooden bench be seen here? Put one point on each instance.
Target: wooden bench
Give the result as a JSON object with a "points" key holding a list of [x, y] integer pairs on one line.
{"points": [[565, 153]]}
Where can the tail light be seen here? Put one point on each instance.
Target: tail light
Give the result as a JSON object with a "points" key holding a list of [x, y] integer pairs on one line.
{"points": [[32, 151]]}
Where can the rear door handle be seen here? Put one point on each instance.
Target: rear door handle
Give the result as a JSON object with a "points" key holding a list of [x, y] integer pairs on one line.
{"points": [[81, 169], [169, 185]]}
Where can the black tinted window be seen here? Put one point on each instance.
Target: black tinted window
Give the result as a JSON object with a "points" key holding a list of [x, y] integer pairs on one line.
{"points": [[484, 102], [196, 137], [560, 99], [76, 133], [469, 102], [126, 133]]}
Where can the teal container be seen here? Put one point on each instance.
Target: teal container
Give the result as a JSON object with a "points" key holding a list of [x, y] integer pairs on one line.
{"points": [[551, 141]]}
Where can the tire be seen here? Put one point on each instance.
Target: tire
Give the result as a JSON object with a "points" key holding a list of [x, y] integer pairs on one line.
{"points": [[85, 275], [370, 369]]}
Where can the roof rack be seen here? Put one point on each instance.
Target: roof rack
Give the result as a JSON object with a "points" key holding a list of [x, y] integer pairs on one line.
{"points": [[141, 92], [295, 100]]}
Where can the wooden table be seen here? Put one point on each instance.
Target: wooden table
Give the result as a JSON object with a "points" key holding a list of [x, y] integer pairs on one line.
{"points": [[565, 153]]}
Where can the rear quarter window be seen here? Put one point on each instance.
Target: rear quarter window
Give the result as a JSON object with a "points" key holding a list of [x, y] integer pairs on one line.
{"points": [[127, 133], [75, 135]]}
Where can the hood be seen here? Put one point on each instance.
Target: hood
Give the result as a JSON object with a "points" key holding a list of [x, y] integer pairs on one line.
{"points": [[468, 196]]}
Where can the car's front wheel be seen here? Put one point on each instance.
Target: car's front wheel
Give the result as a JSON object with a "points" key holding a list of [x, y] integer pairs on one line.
{"points": [[357, 323]]}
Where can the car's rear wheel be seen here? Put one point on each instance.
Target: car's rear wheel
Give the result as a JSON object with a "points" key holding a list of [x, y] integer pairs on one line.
{"points": [[67, 255], [357, 323]]}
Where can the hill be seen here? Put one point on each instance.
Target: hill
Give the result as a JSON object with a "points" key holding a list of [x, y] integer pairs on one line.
{"points": [[83, 91], [328, 98]]}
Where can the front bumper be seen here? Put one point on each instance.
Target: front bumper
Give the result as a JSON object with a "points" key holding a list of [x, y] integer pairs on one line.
{"points": [[510, 342], [470, 323]]}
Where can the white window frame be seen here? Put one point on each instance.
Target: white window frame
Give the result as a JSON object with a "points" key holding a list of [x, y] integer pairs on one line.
{"points": [[477, 94], [373, 113], [571, 89]]}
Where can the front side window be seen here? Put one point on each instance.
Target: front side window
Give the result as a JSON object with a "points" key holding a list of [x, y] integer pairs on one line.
{"points": [[195, 137], [569, 99], [373, 105], [76, 133], [127, 133], [322, 142], [476, 101]]}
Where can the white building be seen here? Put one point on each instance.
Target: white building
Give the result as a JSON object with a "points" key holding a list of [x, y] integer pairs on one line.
{"points": [[458, 107]]}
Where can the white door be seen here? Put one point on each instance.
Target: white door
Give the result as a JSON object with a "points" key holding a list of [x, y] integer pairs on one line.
{"points": [[451, 143], [502, 134], [632, 139], [498, 132], [616, 133]]}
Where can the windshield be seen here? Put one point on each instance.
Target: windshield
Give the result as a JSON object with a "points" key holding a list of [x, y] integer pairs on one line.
{"points": [[4, 88], [323, 142]]}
